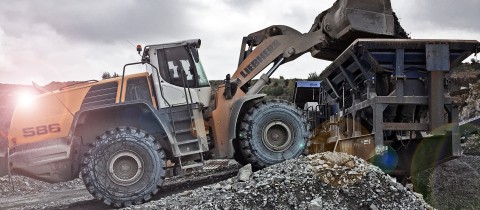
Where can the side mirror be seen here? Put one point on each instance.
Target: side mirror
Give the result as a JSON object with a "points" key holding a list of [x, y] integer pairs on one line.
{"points": [[146, 56]]}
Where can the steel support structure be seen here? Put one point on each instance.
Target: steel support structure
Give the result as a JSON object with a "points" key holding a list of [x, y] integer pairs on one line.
{"points": [[420, 141]]}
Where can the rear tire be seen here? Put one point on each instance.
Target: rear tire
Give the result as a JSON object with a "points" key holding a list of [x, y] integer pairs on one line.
{"points": [[125, 166], [272, 132]]}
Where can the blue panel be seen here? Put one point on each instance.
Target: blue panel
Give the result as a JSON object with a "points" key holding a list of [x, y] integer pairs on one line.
{"points": [[384, 57], [314, 84], [414, 58]]}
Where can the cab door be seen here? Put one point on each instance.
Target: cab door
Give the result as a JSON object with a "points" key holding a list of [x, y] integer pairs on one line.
{"points": [[182, 78]]}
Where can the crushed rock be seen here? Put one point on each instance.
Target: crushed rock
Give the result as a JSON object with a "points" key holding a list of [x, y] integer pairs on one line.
{"points": [[24, 186], [244, 173], [320, 181], [452, 185]]}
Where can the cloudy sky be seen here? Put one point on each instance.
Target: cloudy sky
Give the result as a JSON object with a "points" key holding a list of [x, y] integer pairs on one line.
{"points": [[49, 40]]}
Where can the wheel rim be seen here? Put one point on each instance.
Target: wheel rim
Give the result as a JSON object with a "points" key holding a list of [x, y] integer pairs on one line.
{"points": [[125, 168], [277, 136]]}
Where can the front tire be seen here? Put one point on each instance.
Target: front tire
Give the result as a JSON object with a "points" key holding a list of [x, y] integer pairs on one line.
{"points": [[272, 132], [125, 166]]}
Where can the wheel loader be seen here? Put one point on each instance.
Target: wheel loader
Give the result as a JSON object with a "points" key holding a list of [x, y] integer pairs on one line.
{"points": [[121, 134]]}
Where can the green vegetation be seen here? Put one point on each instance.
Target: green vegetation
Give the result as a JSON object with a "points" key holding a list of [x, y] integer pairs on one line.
{"points": [[107, 75], [279, 88], [474, 65], [282, 88], [313, 77]]}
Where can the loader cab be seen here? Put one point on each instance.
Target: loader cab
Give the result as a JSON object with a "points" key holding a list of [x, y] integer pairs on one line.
{"points": [[183, 92], [180, 78]]}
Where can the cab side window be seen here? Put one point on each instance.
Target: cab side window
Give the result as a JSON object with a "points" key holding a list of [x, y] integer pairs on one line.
{"points": [[137, 89]]}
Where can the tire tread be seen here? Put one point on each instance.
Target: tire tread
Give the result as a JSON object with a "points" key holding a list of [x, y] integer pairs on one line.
{"points": [[108, 136]]}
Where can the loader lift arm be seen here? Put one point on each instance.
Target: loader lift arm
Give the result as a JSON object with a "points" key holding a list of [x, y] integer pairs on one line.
{"points": [[278, 44], [332, 31]]}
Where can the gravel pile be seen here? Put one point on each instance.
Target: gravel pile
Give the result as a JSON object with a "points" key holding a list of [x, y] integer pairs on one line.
{"points": [[452, 185], [321, 181], [24, 186]]}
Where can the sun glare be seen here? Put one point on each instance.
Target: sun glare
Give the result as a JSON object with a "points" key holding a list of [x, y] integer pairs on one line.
{"points": [[25, 98]]}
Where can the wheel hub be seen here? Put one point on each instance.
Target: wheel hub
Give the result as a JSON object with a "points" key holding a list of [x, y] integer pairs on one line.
{"points": [[277, 136], [125, 168]]}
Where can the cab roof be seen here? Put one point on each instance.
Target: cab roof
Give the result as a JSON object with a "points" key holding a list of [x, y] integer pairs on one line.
{"points": [[192, 42]]}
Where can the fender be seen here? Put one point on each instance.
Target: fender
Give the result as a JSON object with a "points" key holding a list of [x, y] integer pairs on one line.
{"points": [[237, 106], [224, 121], [134, 111]]}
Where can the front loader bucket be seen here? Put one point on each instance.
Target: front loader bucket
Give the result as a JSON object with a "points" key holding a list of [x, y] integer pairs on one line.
{"points": [[348, 20]]}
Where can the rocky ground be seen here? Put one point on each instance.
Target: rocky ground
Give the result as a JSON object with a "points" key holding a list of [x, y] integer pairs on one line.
{"points": [[24, 186], [321, 181], [26, 193]]}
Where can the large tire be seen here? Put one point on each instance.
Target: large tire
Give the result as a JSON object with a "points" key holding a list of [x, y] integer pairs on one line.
{"points": [[272, 132], [125, 166]]}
